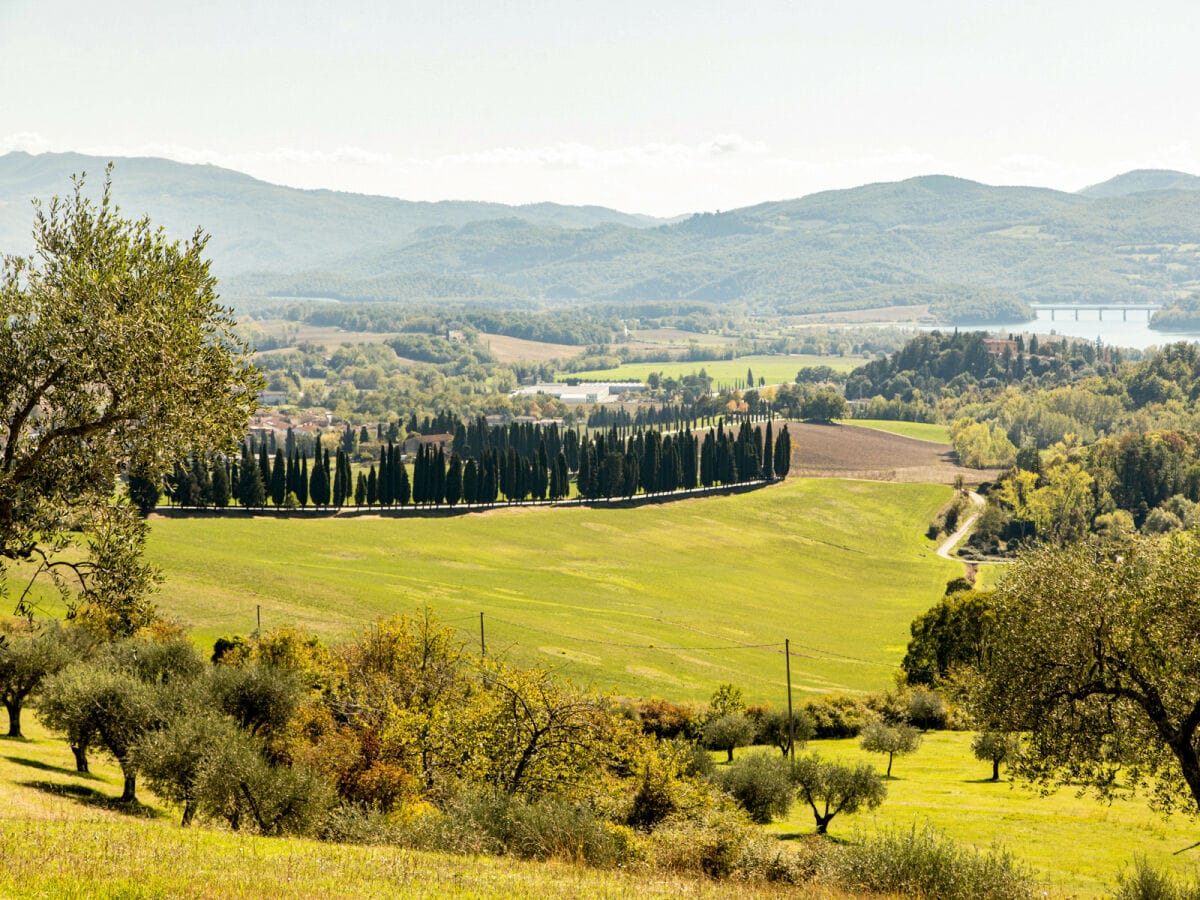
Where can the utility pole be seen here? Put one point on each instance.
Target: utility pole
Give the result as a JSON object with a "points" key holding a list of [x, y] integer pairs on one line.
{"points": [[482, 645], [787, 655], [258, 618]]}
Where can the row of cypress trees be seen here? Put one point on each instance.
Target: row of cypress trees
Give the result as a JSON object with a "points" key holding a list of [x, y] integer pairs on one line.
{"points": [[606, 465]]}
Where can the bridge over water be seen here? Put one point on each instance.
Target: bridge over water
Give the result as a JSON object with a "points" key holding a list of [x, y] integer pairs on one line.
{"points": [[1072, 310]]}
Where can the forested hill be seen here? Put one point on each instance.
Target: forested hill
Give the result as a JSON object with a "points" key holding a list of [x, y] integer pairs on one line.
{"points": [[970, 251], [255, 225]]}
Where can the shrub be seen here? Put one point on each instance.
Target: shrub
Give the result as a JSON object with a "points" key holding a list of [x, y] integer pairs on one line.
{"points": [[838, 716], [927, 709], [550, 828], [1148, 883], [666, 720], [925, 864], [761, 783]]}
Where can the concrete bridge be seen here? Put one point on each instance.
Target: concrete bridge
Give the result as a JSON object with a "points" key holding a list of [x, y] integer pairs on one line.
{"points": [[1074, 309]]}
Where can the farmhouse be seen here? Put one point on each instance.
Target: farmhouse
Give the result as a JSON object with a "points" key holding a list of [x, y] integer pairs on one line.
{"points": [[415, 442]]}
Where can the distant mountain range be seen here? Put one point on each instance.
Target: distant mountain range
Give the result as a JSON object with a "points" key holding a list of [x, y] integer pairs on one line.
{"points": [[973, 252]]}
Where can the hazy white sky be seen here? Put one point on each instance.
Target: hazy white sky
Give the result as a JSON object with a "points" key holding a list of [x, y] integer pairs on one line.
{"points": [[657, 106]]}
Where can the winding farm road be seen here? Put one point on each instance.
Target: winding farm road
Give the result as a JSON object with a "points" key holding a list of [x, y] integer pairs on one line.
{"points": [[945, 551]]}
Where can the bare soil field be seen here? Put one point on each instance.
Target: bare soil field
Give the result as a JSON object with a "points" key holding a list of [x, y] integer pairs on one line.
{"points": [[847, 451], [511, 349]]}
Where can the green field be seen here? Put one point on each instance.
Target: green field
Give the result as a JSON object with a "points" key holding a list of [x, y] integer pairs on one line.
{"points": [[775, 369], [1077, 843], [922, 431], [667, 600]]}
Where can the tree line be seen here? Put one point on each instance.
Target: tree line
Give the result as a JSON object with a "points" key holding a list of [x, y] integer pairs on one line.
{"points": [[521, 462]]}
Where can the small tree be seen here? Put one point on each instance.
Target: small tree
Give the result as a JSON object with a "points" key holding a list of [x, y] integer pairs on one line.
{"points": [[894, 740], [173, 759], [777, 730], [99, 703], [727, 732], [28, 657], [726, 699], [830, 788], [761, 783], [995, 747]]}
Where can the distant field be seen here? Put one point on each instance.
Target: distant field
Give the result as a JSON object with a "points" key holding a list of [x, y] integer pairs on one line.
{"points": [[653, 601], [327, 336], [511, 349], [1077, 843], [922, 431], [775, 369]]}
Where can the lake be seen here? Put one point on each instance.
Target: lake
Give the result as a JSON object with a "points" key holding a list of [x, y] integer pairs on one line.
{"points": [[1112, 330]]}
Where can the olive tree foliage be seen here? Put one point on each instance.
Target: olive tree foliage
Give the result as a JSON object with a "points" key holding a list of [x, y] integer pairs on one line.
{"points": [[761, 783], [1095, 654], [830, 787], [894, 740], [995, 747], [29, 655], [115, 358]]}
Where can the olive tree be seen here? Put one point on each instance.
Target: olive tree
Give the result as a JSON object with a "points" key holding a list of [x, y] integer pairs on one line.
{"points": [[729, 731], [116, 358], [894, 740], [830, 788], [26, 659], [995, 747], [1095, 654]]}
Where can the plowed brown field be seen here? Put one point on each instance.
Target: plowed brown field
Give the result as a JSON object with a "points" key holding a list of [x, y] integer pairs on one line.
{"points": [[847, 451]]}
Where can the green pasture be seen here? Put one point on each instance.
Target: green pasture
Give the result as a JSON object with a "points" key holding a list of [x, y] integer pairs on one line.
{"points": [[667, 600], [1078, 844], [775, 369], [922, 431], [988, 575]]}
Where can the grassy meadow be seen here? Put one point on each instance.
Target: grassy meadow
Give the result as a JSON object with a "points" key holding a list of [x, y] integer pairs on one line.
{"points": [[1078, 844], [775, 369], [667, 600]]}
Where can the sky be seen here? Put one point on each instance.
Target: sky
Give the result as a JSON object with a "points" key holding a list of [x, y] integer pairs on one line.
{"points": [[658, 106]]}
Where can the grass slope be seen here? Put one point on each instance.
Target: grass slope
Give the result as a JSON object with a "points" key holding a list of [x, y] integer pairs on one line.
{"points": [[775, 369], [63, 836], [1077, 843], [651, 601]]}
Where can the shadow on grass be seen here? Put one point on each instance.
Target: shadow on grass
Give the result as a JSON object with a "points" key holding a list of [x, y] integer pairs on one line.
{"points": [[985, 781], [89, 796], [6, 738], [46, 767], [812, 836]]}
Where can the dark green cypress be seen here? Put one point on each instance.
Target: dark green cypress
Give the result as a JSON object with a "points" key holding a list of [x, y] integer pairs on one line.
{"points": [[372, 487], [279, 479]]}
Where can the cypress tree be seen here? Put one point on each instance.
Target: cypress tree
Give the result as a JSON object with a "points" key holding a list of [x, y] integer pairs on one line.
{"points": [[470, 489], [783, 453], [768, 456], [403, 490], [252, 491], [302, 481], [386, 487], [454, 480], [264, 463], [372, 487], [360, 490], [220, 483], [279, 479]]}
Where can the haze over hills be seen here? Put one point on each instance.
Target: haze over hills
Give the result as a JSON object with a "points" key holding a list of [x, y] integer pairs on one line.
{"points": [[974, 252]]}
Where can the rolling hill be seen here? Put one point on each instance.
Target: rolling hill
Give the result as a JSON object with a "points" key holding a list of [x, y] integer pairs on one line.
{"points": [[974, 252]]}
